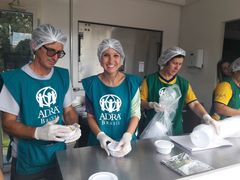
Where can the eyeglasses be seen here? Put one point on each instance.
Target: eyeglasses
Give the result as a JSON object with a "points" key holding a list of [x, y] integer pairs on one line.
{"points": [[52, 52]]}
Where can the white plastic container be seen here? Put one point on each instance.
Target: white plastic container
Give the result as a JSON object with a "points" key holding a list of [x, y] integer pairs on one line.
{"points": [[229, 127], [202, 135], [163, 146], [115, 152]]}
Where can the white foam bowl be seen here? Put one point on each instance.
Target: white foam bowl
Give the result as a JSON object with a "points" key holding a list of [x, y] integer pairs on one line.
{"points": [[163, 146], [115, 152], [103, 176]]}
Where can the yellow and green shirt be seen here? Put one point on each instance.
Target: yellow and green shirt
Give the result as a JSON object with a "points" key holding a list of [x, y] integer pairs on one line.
{"points": [[150, 92], [227, 93]]}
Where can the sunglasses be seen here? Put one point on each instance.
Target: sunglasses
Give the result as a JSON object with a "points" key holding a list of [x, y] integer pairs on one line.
{"points": [[52, 52]]}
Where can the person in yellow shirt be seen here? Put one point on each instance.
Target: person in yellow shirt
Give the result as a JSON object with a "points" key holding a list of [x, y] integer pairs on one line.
{"points": [[224, 72], [226, 99], [170, 62], [1, 175]]}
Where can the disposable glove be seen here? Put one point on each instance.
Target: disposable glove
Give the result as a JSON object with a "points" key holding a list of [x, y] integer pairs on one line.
{"points": [[75, 134], [52, 132], [104, 140], [125, 144], [156, 106], [209, 120]]}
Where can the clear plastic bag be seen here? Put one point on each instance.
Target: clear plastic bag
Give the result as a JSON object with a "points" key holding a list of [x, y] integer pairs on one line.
{"points": [[161, 123], [184, 164]]}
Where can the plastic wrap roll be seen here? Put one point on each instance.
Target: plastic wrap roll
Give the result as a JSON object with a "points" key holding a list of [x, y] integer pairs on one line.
{"points": [[229, 127], [202, 135]]}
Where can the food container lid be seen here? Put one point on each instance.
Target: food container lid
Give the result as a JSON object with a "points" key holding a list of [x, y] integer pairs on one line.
{"points": [[163, 144]]}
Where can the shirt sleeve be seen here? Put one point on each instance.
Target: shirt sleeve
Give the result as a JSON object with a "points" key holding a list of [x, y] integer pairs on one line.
{"points": [[68, 97], [135, 105], [8, 103], [144, 90], [223, 93], [89, 105], [190, 97]]}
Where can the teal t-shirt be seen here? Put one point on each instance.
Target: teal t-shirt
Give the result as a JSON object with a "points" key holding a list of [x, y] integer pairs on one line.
{"points": [[111, 105], [40, 101]]}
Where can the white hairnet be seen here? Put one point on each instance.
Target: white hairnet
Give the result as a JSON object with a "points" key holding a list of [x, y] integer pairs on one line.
{"points": [[236, 65], [45, 34], [110, 43], [170, 53]]}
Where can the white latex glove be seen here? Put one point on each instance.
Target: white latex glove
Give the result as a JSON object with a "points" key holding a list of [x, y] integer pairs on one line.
{"points": [[125, 144], [75, 134], [104, 140], [52, 132], [209, 120], [156, 106]]}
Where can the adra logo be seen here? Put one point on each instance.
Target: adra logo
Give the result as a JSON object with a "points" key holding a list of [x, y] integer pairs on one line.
{"points": [[110, 103], [46, 96], [162, 91]]}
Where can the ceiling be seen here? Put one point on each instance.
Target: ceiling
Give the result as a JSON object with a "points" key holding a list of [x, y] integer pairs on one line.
{"points": [[176, 2]]}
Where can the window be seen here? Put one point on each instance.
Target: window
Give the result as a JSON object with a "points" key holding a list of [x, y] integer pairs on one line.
{"points": [[15, 35]]}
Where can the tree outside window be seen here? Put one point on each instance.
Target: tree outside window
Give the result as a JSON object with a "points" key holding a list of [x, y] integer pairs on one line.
{"points": [[15, 35]]}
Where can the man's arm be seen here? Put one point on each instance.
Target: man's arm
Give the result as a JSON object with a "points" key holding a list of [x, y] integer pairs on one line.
{"points": [[197, 108], [15, 128], [70, 115]]}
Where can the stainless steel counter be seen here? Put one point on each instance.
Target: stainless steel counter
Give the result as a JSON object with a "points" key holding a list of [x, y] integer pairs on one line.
{"points": [[142, 163]]}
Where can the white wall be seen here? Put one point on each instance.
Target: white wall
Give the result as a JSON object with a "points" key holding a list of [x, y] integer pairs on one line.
{"points": [[56, 12], [132, 13], [202, 26]]}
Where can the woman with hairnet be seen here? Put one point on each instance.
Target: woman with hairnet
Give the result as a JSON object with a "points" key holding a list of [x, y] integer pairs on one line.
{"points": [[227, 93], [171, 62], [112, 100], [36, 104]]}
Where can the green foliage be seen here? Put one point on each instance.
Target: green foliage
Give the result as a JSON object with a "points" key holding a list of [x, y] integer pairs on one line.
{"points": [[11, 21], [19, 21], [23, 47], [5, 140]]}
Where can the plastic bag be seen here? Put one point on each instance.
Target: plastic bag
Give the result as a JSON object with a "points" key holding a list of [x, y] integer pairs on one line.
{"points": [[154, 129], [161, 123]]}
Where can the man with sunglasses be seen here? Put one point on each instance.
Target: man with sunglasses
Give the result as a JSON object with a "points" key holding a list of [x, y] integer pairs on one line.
{"points": [[37, 111]]}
